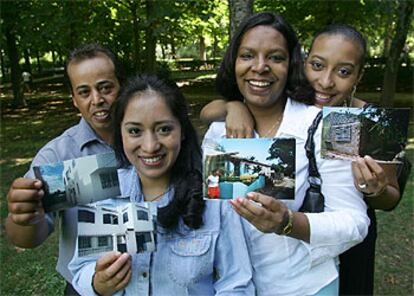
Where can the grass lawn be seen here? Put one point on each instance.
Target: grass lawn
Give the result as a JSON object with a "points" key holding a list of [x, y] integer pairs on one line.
{"points": [[32, 272]]}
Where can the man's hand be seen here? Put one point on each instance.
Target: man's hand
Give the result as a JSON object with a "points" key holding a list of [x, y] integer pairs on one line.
{"points": [[24, 202]]}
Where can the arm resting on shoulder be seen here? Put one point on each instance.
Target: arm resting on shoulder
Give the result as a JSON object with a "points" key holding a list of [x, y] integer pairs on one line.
{"points": [[214, 111], [239, 121]]}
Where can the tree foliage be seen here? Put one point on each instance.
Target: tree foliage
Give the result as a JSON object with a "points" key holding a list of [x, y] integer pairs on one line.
{"points": [[143, 32]]}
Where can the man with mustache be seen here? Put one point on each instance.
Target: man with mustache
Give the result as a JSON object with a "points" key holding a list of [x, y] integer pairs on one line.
{"points": [[95, 77]]}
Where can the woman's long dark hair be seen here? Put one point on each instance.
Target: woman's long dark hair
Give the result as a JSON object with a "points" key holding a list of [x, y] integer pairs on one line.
{"points": [[226, 78], [188, 201]]}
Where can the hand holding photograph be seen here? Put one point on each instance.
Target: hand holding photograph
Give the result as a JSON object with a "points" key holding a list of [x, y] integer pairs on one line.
{"points": [[234, 167], [351, 132], [78, 181]]}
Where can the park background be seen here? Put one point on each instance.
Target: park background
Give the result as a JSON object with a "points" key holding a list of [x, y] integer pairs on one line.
{"points": [[183, 40]]}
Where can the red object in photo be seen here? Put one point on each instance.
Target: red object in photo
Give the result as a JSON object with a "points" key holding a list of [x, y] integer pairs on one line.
{"points": [[214, 192]]}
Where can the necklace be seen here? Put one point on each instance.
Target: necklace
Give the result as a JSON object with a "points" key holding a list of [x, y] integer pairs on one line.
{"points": [[269, 131], [158, 196]]}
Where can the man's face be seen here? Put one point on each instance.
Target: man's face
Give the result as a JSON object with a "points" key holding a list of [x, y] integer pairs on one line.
{"points": [[94, 89]]}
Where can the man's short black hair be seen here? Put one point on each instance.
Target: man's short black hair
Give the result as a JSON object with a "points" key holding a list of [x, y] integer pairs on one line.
{"points": [[92, 50]]}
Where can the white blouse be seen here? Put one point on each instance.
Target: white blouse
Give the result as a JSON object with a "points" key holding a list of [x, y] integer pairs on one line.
{"points": [[287, 266]]}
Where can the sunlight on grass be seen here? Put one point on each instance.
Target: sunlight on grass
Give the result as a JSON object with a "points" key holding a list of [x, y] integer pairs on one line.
{"points": [[57, 102], [21, 161], [207, 76]]}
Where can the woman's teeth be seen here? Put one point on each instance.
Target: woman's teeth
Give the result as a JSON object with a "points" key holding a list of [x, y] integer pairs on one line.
{"points": [[259, 83], [151, 160]]}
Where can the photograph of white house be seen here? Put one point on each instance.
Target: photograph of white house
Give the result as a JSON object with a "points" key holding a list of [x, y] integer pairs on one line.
{"points": [[78, 181], [116, 225]]}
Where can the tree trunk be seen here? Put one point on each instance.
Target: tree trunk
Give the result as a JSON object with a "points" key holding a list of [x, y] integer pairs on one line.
{"points": [[404, 12], [15, 70], [215, 46], [163, 51], [173, 49], [136, 51], [60, 58], [3, 66], [239, 10], [202, 52], [27, 64], [388, 28], [39, 66], [53, 58], [150, 40]]}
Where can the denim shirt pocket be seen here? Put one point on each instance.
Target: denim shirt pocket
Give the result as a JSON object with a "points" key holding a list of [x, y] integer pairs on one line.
{"points": [[191, 258]]}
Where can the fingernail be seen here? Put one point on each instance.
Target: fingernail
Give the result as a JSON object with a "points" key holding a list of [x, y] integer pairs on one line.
{"points": [[239, 200], [250, 194]]}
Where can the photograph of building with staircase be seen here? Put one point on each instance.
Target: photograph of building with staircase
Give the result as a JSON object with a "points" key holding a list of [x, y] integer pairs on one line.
{"points": [[116, 225], [234, 167], [78, 181], [351, 132]]}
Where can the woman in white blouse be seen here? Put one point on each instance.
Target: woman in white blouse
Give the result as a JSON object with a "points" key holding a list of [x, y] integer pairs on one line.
{"points": [[293, 253]]}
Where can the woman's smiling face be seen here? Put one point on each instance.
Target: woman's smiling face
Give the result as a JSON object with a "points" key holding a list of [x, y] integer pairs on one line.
{"points": [[151, 135], [333, 67], [262, 66]]}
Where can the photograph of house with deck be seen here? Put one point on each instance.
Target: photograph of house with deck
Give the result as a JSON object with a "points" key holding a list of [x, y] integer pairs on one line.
{"points": [[244, 165], [351, 132], [78, 181], [116, 225]]}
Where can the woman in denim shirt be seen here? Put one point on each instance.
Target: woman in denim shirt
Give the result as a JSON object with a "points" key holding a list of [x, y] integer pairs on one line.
{"points": [[201, 248]]}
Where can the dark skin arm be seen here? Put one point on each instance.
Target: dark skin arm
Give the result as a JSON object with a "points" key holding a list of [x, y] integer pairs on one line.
{"points": [[380, 179], [269, 217], [239, 121]]}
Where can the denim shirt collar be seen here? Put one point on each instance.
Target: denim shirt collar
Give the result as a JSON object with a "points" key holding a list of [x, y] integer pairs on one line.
{"points": [[136, 194]]}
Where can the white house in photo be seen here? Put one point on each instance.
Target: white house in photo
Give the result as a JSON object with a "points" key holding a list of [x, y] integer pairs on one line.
{"points": [[91, 178], [129, 227]]}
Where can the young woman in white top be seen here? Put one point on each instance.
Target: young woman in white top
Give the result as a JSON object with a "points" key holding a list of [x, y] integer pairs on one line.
{"points": [[333, 68], [292, 253]]}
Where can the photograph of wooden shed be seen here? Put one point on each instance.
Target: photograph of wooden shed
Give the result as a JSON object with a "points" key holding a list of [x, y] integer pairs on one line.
{"points": [[351, 132]]}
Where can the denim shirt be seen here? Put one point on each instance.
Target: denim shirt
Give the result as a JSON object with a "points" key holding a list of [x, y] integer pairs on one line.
{"points": [[211, 260]]}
